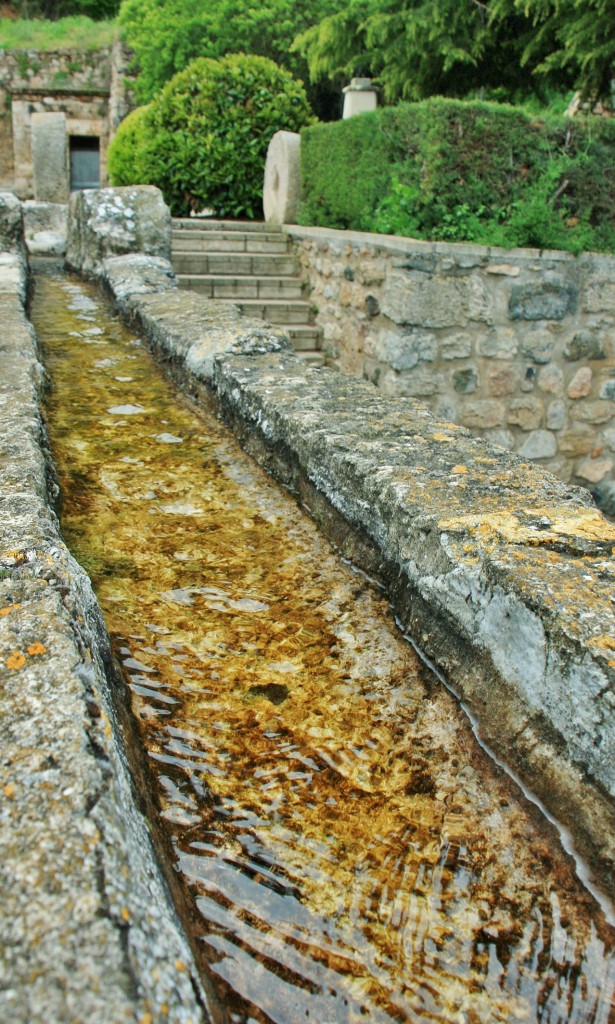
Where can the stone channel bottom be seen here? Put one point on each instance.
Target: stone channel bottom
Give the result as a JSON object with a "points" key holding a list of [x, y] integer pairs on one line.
{"points": [[348, 850]]}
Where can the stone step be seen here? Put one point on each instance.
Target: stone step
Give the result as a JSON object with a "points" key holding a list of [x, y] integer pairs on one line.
{"points": [[237, 288], [181, 224], [237, 264], [277, 311], [232, 241], [305, 337], [314, 358]]}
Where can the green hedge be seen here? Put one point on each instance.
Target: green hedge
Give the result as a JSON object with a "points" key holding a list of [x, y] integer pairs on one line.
{"points": [[464, 171], [203, 139]]}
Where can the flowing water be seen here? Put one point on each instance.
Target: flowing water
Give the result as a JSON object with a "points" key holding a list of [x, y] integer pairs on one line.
{"points": [[348, 850]]}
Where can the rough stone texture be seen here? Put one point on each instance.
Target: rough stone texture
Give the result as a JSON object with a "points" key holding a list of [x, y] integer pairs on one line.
{"points": [[50, 157], [11, 224], [87, 929], [91, 87], [116, 221], [503, 575], [501, 326], [282, 186], [46, 226]]}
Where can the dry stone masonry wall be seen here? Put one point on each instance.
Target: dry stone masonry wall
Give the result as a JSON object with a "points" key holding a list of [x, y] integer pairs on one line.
{"points": [[518, 346]]}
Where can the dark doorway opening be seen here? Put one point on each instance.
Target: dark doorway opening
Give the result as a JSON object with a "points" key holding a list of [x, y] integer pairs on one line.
{"points": [[84, 162]]}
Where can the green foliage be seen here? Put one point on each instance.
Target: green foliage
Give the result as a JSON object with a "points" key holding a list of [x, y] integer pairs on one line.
{"points": [[454, 171], [575, 38], [52, 10], [204, 139], [78, 32], [167, 34], [416, 48]]}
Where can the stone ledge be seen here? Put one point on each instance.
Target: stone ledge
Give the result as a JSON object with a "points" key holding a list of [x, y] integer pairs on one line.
{"points": [[89, 931], [501, 574]]}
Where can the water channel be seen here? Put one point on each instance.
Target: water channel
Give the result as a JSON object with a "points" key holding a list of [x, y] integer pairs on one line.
{"points": [[348, 850]]}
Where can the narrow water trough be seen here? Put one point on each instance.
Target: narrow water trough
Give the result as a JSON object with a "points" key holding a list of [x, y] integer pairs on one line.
{"points": [[338, 845]]}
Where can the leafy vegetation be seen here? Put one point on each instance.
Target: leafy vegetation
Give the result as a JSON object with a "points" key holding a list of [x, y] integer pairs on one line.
{"points": [[77, 32], [203, 140], [464, 171], [167, 34], [98, 10], [451, 47]]}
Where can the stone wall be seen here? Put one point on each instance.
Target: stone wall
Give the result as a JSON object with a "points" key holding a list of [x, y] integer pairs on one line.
{"points": [[89, 87], [518, 346]]}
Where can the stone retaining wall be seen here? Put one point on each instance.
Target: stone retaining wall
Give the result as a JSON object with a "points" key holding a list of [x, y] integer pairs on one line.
{"points": [[502, 575], [87, 928], [518, 346]]}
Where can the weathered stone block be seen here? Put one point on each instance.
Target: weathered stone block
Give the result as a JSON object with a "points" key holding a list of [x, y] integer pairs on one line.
{"points": [[526, 412], [46, 227], [115, 221], [550, 380], [483, 413], [503, 380], [465, 381], [457, 346], [11, 224], [540, 444], [539, 346], [503, 438], [594, 470], [607, 390], [581, 384], [428, 302], [404, 350], [50, 157], [550, 299], [584, 345], [500, 343], [578, 440], [600, 411], [600, 296], [556, 415], [282, 186]]}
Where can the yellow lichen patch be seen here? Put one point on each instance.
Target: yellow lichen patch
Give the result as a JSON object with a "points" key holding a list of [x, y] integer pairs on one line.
{"points": [[9, 608], [606, 642], [15, 660], [459, 469], [9, 791], [442, 437], [36, 649], [125, 914]]}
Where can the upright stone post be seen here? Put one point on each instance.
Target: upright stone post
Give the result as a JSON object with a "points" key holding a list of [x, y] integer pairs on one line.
{"points": [[50, 157], [359, 97], [282, 186]]}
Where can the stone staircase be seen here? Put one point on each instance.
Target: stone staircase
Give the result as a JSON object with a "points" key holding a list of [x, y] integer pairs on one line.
{"points": [[249, 264]]}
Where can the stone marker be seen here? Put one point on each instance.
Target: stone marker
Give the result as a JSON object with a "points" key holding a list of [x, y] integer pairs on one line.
{"points": [[50, 157], [114, 221], [282, 187]]}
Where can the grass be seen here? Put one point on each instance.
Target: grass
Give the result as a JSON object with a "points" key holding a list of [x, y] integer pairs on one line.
{"points": [[78, 32]]}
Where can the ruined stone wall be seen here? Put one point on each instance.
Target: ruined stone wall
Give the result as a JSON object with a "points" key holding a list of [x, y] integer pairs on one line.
{"points": [[90, 87], [518, 346]]}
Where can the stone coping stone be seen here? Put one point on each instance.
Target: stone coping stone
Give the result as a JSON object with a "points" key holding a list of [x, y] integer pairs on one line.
{"points": [[88, 930], [502, 575], [396, 245]]}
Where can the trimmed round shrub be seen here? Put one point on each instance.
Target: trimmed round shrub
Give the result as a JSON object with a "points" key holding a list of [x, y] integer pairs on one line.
{"points": [[203, 140], [127, 160]]}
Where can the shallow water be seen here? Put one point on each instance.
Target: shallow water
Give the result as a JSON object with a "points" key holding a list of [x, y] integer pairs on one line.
{"points": [[349, 851]]}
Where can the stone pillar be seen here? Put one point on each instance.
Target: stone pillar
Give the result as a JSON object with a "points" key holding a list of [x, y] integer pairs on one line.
{"points": [[50, 158], [359, 97], [281, 190]]}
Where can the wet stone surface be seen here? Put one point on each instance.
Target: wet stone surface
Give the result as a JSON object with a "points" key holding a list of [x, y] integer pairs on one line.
{"points": [[348, 851]]}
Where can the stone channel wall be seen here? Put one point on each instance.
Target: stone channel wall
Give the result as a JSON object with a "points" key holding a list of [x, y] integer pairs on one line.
{"points": [[501, 574], [87, 928], [518, 346]]}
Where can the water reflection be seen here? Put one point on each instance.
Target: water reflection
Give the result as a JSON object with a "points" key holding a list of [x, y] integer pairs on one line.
{"points": [[351, 853]]}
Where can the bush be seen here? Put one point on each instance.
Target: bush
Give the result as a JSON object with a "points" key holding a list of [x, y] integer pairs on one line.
{"points": [[459, 171], [203, 140]]}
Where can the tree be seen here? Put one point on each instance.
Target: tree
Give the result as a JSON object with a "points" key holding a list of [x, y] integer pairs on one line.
{"points": [[167, 35], [570, 38], [98, 10]]}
